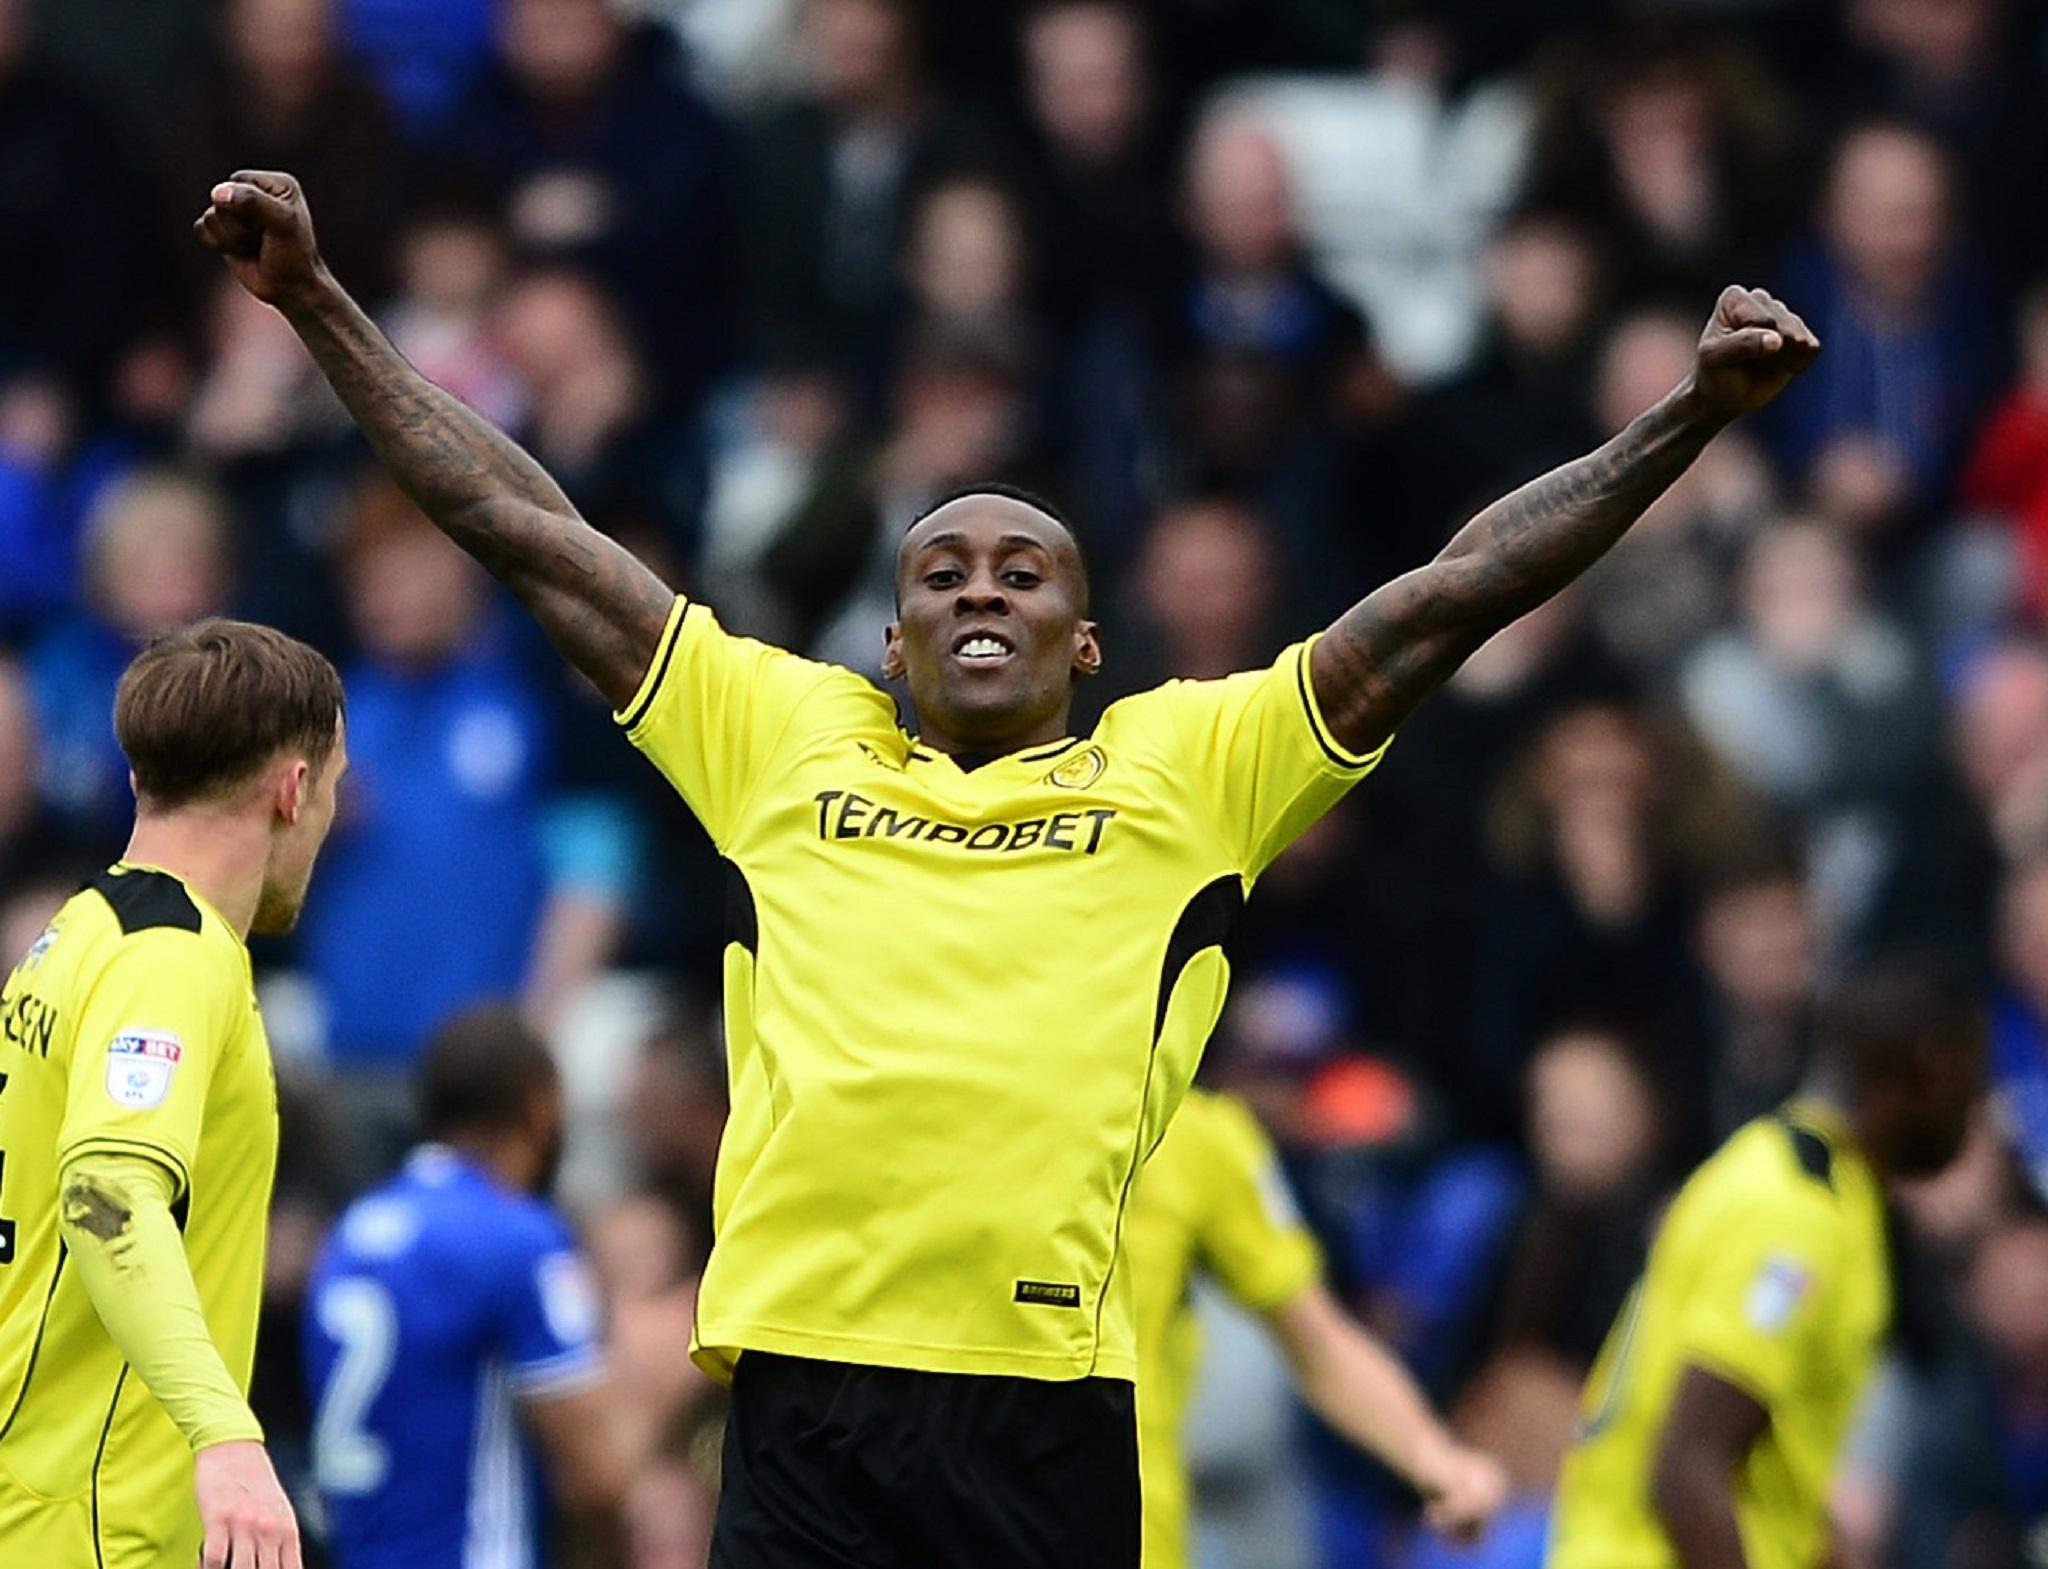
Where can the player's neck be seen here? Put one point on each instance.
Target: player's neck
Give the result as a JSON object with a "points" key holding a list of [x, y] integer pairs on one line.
{"points": [[506, 1160], [220, 857], [934, 738]]}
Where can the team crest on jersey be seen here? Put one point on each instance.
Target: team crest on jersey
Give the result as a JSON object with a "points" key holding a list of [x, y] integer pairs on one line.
{"points": [[1780, 1286], [1081, 770], [140, 1064]]}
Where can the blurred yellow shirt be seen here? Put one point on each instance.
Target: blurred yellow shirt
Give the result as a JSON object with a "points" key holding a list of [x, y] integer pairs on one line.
{"points": [[961, 1000], [1771, 1272], [1212, 1200], [130, 1027]]}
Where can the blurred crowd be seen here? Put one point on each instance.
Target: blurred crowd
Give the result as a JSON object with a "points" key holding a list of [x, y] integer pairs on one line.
{"points": [[1269, 294]]}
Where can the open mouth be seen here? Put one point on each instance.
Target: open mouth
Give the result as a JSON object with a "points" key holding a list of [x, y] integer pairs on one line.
{"points": [[982, 649]]}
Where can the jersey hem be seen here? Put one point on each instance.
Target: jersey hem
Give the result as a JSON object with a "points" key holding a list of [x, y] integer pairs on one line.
{"points": [[635, 712], [1293, 1285], [717, 1350], [1333, 749], [115, 1144]]}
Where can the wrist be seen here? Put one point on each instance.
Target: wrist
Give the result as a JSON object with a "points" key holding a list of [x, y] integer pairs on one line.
{"points": [[238, 1427], [1430, 1465], [1695, 407], [303, 303]]}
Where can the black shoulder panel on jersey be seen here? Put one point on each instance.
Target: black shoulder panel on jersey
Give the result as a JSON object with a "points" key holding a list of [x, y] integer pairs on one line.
{"points": [[143, 901], [742, 925], [1209, 921], [1812, 1152]]}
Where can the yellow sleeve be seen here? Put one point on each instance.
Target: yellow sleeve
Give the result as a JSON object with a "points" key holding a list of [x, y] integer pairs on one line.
{"points": [[1252, 1238], [116, 1217], [1757, 1300], [714, 711], [1256, 745], [150, 1032]]}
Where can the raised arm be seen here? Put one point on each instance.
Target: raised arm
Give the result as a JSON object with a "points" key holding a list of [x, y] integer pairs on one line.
{"points": [[1392, 649], [599, 605]]}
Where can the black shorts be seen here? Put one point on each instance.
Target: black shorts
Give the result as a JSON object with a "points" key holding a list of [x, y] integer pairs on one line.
{"points": [[833, 1466]]}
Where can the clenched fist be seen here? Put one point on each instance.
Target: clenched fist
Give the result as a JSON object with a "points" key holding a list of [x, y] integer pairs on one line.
{"points": [[257, 220], [1753, 345]]}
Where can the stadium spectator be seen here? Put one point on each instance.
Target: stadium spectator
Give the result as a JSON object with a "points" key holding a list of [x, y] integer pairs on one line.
{"points": [[1911, 321], [1522, 401], [1102, 176], [1820, 703], [966, 261], [775, 484], [1599, 1134], [2019, 1038], [827, 178], [1099, 155], [62, 308], [1669, 139], [34, 843], [607, 161], [156, 557], [594, 413], [1596, 837], [1965, 1486], [1961, 70], [2000, 729], [453, 265], [1202, 595], [434, 894], [1402, 233], [422, 53], [52, 467], [278, 94], [1761, 954], [2007, 473]]}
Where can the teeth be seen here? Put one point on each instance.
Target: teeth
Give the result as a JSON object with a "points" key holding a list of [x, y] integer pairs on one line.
{"points": [[982, 645]]}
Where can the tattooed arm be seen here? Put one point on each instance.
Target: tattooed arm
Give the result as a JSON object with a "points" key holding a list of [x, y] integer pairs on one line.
{"points": [[1391, 650], [601, 607]]}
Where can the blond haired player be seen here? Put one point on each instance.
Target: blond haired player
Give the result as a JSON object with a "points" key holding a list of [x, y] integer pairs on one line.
{"points": [[138, 1127]]}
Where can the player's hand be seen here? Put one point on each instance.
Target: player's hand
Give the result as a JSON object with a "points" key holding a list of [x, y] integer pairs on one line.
{"points": [[1462, 1490], [257, 220], [247, 1519], [1753, 345]]}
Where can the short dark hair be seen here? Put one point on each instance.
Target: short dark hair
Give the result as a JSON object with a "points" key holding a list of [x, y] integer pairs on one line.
{"points": [[996, 487], [480, 1072], [201, 709], [1876, 1023]]}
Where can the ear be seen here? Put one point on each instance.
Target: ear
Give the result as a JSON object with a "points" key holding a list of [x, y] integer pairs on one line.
{"points": [[892, 652], [1087, 649], [293, 791]]}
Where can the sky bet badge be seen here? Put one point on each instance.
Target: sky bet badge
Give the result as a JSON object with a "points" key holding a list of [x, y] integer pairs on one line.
{"points": [[41, 946], [1780, 1286], [139, 1067]]}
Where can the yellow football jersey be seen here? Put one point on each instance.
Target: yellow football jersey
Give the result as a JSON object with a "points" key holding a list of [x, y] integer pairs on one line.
{"points": [[1211, 1199], [131, 1025], [1771, 1272], [960, 1001]]}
